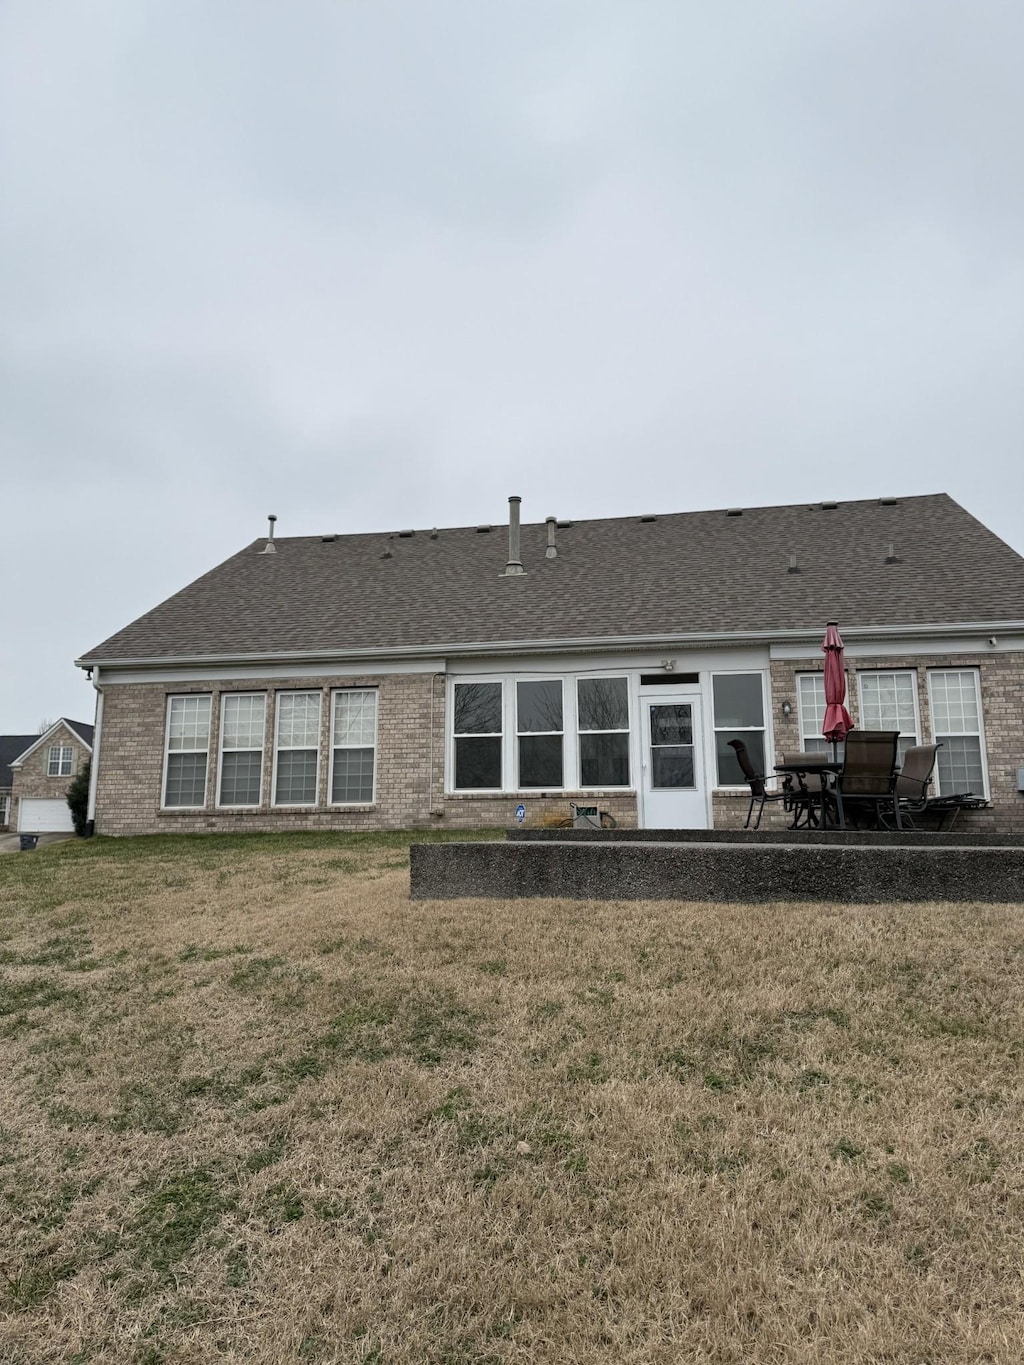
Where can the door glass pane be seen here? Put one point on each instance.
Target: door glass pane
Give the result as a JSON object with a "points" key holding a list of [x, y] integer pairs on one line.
{"points": [[672, 766], [672, 724], [540, 706], [738, 701], [540, 761]]}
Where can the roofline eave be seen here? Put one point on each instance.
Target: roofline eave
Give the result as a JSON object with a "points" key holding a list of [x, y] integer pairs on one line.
{"points": [[579, 644]]}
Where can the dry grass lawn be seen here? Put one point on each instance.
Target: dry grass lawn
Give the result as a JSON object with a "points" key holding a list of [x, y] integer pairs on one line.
{"points": [[256, 1106]]}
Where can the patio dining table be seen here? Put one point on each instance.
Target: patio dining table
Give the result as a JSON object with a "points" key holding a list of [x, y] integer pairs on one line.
{"points": [[802, 766]]}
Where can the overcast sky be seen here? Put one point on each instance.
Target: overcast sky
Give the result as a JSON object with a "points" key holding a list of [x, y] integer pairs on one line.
{"points": [[371, 264]]}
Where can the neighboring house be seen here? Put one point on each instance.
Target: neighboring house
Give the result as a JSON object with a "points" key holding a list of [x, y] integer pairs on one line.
{"points": [[41, 770], [10, 747], [436, 677]]}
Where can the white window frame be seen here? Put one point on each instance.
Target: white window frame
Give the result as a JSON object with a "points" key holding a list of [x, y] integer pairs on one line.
{"points": [[503, 788], [910, 673], [236, 805], [5, 808], [578, 731], [716, 729], [938, 737], [809, 726], [568, 715], [171, 698], [64, 754], [350, 691], [292, 748]]}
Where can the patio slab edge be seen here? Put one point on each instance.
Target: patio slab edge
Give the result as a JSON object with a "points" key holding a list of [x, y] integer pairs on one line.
{"points": [[724, 873]]}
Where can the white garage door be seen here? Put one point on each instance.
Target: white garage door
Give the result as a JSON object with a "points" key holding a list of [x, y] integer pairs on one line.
{"points": [[36, 816]]}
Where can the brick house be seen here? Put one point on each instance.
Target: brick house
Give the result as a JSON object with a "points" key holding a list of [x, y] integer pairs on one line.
{"points": [[38, 770], [443, 678]]}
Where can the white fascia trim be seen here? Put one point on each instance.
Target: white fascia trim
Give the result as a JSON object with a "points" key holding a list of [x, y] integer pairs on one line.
{"points": [[583, 644], [38, 743]]}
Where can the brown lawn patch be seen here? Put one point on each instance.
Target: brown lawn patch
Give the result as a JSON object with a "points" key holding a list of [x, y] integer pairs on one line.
{"points": [[257, 1106]]}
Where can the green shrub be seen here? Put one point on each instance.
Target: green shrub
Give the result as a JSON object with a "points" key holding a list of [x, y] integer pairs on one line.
{"points": [[78, 797]]}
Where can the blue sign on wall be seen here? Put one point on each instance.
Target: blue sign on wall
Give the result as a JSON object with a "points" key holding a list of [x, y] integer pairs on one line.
{"points": [[520, 814]]}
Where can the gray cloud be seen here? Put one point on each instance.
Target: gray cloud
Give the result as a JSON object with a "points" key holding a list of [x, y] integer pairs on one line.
{"points": [[370, 265]]}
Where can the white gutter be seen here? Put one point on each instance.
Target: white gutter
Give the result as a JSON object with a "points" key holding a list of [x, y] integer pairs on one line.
{"points": [[582, 644], [94, 770]]}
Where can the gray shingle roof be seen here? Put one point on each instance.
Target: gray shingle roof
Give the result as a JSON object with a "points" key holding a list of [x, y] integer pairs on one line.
{"points": [[12, 747], [682, 573]]}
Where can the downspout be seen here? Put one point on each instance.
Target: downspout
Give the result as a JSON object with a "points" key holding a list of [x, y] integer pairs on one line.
{"points": [[94, 766]]}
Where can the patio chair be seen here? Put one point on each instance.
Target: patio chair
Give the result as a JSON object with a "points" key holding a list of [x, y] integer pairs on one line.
{"points": [[914, 780], [759, 792], [867, 781]]}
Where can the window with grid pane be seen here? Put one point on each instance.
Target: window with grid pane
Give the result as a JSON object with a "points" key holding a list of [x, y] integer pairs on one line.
{"points": [[297, 748], [810, 706], [888, 701], [188, 748], [603, 721], [354, 726], [241, 749], [955, 695], [59, 760]]}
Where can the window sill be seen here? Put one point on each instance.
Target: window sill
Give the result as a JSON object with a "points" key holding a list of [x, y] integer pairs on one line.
{"points": [[244, 812]]}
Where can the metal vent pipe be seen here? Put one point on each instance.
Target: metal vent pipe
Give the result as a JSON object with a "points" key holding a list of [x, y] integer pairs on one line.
{"points": [[515, 564], [551, 552]]}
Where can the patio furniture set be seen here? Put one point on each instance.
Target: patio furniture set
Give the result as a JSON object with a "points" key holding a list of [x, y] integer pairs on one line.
{"points": [[866, 788]]}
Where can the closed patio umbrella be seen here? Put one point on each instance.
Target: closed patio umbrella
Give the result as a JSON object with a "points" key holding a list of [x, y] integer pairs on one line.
{"points": [[837, 720]]}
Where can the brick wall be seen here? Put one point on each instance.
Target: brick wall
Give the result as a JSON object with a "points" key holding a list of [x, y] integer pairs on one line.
{"points": [[411, 747], [409, 758], [32, 779], [1002, 701]]}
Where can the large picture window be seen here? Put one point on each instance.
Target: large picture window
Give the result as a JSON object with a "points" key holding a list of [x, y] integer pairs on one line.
{"points": [[539, 727], [353, 746], [241, 748], [739, 714], [955, 696], [298, 748], [888, 701], [477, 710], [188, 750], [602, 709]]}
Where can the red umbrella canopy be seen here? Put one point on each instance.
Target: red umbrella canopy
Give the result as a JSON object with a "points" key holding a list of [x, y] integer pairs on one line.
{"points": [[837, 719]]}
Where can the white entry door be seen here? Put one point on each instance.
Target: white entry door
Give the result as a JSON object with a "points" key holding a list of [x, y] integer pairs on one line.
{"points": [[674, 795]]}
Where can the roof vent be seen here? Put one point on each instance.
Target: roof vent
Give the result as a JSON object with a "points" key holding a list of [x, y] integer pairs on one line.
{"points": [[404, 535], [891, 557], [270, 548], [649, 517], [829, 506], [794, 567], [564, 525], [433, 534], [326, 540], [734, 511], [888, 502], [514, 567], [388, 553], [552, 551], [482, 530]]}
